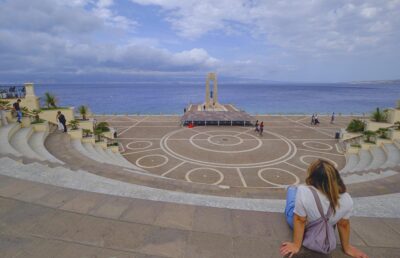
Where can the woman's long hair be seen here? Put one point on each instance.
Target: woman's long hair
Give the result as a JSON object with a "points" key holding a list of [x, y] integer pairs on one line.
{"points": [[324, 176]]}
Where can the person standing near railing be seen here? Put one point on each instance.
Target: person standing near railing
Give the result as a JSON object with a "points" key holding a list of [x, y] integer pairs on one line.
{"points": [[17, 109]]}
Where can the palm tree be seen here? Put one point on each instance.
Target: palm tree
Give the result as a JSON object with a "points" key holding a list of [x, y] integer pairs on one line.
{"points": [[83, 110], [50, 100], [103, 127], [379, 116], [74, 124], [4, 105]]}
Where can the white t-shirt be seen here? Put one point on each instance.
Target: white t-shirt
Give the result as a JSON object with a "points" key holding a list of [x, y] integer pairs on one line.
{"points": [[306, 207]]}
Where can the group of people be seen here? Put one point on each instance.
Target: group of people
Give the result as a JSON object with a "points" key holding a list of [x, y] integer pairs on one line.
{"points": [[315, 119], [12, 92], [259, 128]]}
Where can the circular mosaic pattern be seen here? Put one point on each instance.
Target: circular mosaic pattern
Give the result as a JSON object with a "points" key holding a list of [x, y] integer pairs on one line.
{"points": [[315, 145], [139, 145], [156, 160], [280, 177], [241, 145], [203, 175]]}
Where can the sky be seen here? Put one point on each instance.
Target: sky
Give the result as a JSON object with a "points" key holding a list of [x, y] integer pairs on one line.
{"points": [[145, 40]]}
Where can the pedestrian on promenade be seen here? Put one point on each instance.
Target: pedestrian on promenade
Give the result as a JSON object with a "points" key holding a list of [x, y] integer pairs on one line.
{"points": [[316, 120], [312, 211], [17, 109], [261, 128], [204, 107], [333, 118], [257, 128], [62, 120], [313, 119]]}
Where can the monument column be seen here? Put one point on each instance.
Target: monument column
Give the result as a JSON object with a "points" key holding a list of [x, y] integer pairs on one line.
{"points": [[30, 100]]}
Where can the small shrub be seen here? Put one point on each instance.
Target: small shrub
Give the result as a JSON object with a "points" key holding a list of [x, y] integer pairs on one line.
{"points": [[382, 133], [74, 124], [50, 100], [368, 135], [397, 125], [356, 125], [379, 116], [87, 133], [83, 110]]}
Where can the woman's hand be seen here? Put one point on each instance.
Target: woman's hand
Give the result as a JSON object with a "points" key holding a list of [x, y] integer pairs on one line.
{"points": [[288, 248], [354, 252]]}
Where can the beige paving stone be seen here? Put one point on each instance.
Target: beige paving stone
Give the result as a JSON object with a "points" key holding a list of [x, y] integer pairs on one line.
{"points": [[12, 245], [58, 198], [44, 248], [176, 216], [213, 220], [249, 247], [250, 223], [84, 202], [112, 208], [375, 232], [14, 188], [142, 211], [36, 192], [209, 245]]}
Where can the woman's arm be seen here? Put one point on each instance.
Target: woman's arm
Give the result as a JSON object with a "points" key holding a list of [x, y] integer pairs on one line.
{"points": [[344, 234], [291, 248]]}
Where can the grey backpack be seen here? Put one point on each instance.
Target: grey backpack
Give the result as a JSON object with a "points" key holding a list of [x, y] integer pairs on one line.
{"points": [[319, 235]]}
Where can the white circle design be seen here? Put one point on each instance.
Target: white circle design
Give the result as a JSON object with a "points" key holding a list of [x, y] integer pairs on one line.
{"points": [[191, 139], [209, 139], [319, 157], [279, 169], [128, 146], [221, 176], [152, 155], [329, 147]]}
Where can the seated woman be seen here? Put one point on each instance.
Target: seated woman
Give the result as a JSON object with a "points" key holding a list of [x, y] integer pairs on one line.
{"points": [[325, 186]]}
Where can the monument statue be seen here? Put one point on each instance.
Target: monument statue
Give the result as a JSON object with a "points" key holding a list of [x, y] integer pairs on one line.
{"points": [[211, 96]]}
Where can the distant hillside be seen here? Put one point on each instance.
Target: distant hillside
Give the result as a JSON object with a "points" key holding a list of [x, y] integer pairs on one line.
{"points": [[377, 82]]}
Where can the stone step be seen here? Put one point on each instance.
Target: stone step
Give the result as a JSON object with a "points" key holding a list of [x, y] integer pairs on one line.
{"points": [[6, 133], [125, 162], [353, 178], [378, 158], [393, 155], [351, 162], [365, 159], [20, 142], [36, 142], [92, 153]]}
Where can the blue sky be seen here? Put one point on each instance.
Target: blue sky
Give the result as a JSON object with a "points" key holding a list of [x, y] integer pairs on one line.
{"points": [[111, 40]]}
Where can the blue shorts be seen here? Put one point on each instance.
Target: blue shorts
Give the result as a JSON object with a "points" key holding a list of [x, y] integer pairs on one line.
{"points": [[290, 203]]}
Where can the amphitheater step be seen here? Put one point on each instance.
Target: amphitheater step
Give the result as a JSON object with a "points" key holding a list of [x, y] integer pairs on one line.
{"points": [[365, 159], [393, 155], [369, 176], [6, 133], [378, 158], [20, 142], [351, 162], [36, 142], [92, 153]]}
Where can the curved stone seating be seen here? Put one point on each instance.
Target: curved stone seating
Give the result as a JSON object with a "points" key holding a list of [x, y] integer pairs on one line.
{"points": [[365, 159], [352, 178], [92, 152], [20, 142], [393, 155], [6, 133], [378, 158], [36, 142], [351, 162]]}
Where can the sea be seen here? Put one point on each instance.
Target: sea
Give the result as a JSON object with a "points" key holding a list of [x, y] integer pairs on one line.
{"points": [[279, 98]]}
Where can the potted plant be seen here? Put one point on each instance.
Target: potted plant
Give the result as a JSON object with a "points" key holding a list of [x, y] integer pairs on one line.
{"points": [[397, 125], [86, 133], [356, 125], [83, 111], [382, 133], [368, 135], [74, 124]]}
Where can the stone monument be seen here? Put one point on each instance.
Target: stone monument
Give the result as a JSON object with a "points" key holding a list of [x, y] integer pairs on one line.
{"points": [[211, 96]]}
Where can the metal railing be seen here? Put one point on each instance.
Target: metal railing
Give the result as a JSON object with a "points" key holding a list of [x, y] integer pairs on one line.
{"points": [[12, 91]]}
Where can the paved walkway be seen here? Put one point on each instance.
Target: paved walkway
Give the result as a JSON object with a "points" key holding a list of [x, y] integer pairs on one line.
{"points": [[38, 220]]}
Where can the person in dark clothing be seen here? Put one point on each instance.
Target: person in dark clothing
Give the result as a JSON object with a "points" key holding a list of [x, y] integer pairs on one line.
{"points": [[17, 109], [257, 127], [261, 128], [62, 120]]}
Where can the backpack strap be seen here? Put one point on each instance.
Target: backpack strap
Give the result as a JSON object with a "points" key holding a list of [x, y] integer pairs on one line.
{"points": [[319, 205]]}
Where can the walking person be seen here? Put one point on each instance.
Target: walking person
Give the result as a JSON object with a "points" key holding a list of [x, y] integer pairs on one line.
{"points": [[17, 109], [261, 128], [257, 128], [316, 120], [62, 120], [333, 118], [313, 119], [314, 209]]}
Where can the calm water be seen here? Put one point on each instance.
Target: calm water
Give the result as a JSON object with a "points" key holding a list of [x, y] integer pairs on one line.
{"points": [[269, 99]]}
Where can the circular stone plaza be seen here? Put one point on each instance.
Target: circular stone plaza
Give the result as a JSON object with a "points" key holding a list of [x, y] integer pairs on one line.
{"points": [[165, 189]]}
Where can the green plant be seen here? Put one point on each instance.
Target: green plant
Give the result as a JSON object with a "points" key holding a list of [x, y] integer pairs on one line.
{"points": [[86, 132], [397, 125], [39, 121], [379, 116], [356, 125], [103, 127], [83, 110], [112, 144], [368, 135], [382, 133], [50, 100], [4, 105], [74, 124], [35, 113], [97, 132], [355, 145]]}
